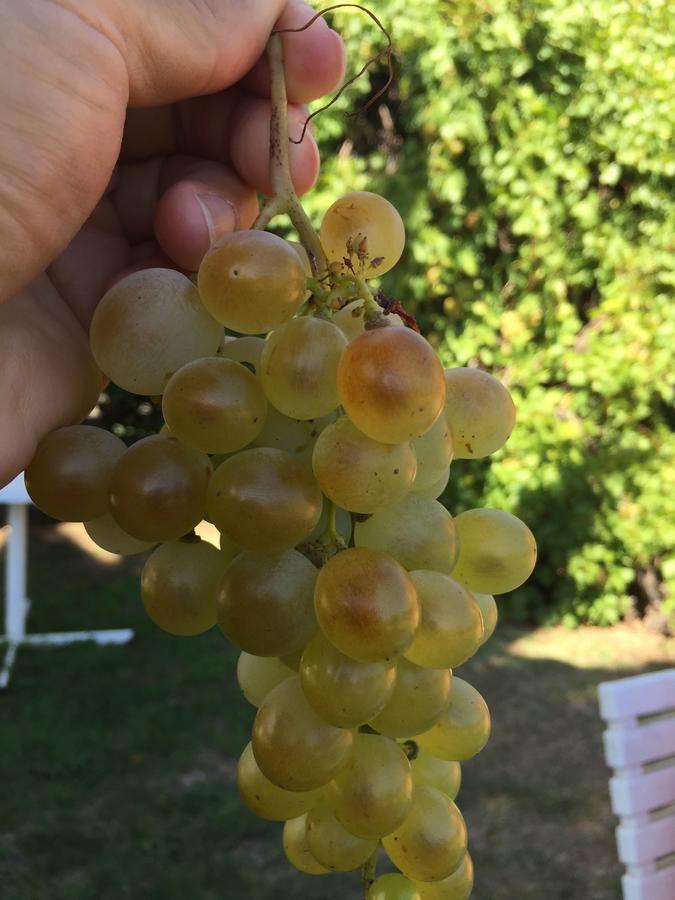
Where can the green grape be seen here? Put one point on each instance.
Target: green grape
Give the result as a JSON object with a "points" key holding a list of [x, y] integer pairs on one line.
{"points": [[463, 729], [443, 774], [350, 319], [292, 435], [359, 215], [267, 800], [304, 259], [298, 368], [293, 747], [265, 602], [147, 326], [297, 850], [432, 840], [264, 499], [106, 533], [372, 794], [252, 281], [391, 384], [451, 625], [293, 660], [257, 675], [158, 489], [179, 586], [228, 548], [358, 473], [436, 489], [332, 845], [419, 699], [246, 350], [479, 411], [497, 551], [69, 474], [488, 608], [434, 451], [418, 532], [393, 886], [214, 405], [457, 886], [343, 523], [366, 605], [343, 691]]}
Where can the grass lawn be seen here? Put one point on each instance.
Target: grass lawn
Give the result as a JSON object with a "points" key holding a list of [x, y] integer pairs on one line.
{"points": [[118, 764]]}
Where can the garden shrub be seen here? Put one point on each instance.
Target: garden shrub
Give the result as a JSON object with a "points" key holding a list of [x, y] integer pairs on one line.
{"points": [[529, 147]]}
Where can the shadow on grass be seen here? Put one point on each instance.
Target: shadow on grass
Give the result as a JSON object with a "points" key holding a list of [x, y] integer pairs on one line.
{"points": [[118, 764]]}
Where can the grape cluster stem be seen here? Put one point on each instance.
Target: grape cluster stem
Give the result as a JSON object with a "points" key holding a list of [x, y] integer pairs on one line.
{"points": [[284, 199]]}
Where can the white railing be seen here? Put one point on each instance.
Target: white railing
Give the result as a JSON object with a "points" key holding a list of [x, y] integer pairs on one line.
{"points": [[640, 747], [17, 605]]}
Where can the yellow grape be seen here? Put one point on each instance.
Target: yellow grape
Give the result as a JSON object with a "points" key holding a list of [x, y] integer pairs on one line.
{"points": [[292, 435], [179, 586], [267, 800], [443, 774], [158, 489], [488, 608], [372, 794], [147, 326], [265, 602], [251, 281], [434, 491], [432, 840], [393, 886], [433, 451], [419, 699], [457, 886], [297, 849], [264, 499], [418, 532], [293, 747], [463, 729], [257, 675], [366, 605], [298, 368], [69, 474], [362, 214], [497, 551], [105, 532], [228, 548], [451, 625], [350, 319], [343, 691], [479, 411], [246, 350], [391, 384], [332, 845], [358, 473], [214, 405]]}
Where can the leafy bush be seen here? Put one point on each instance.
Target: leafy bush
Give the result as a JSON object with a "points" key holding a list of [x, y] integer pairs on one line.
{"points": [[529, 148]]}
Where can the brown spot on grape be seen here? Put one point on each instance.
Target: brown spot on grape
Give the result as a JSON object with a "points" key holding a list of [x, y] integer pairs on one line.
{"points": [[469, 447], [396, 471]]}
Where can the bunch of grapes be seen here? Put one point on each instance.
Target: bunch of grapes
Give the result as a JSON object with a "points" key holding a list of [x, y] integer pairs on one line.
{"points": [[318, 452]]}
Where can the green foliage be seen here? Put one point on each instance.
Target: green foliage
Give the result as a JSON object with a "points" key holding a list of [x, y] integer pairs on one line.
{"points": [[529, 148]]}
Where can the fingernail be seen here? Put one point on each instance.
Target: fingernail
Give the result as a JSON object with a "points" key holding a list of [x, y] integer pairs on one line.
{"points": [[219, 214]]}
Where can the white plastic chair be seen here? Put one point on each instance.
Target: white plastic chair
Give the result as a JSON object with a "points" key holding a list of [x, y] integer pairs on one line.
{"points": [[640, 747], [17, 605]]}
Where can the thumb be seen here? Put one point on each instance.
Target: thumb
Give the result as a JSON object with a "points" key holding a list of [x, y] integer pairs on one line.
{"points": [[184, 48]]}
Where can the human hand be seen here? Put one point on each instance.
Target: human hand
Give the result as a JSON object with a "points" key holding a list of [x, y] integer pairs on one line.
{"points": [[133, 133]]}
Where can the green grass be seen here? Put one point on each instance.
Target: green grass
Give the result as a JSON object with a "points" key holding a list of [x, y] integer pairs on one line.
{"points": [[118, 763]]}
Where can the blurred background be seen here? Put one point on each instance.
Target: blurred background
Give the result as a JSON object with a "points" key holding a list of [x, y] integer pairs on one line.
{"points": [[529, 148]]}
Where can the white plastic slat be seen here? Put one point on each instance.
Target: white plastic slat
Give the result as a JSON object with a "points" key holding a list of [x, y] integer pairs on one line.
{"points": [[640, 695], [657, 886], [638, 793], [644, 841], [630, 747]]}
